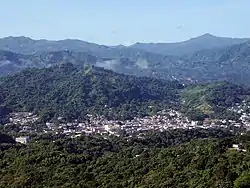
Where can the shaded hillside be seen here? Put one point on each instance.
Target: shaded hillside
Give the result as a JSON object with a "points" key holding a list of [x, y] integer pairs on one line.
{"points": [[6, 139], [4, 112], [65, 90], [227, 64], [230, 64], [125, 61], [12, 62]]}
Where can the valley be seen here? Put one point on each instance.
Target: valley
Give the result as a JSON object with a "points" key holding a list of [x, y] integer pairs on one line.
{"points": [[124, 94], [79, 114]]}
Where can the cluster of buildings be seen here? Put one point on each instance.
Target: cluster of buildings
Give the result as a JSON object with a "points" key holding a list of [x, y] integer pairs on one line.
{"points": [[243, 110], [159, 122], [23, 118], [163, 120]]}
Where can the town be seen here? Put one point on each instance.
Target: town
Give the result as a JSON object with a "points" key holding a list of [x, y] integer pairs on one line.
{"points": [[163, 120]]}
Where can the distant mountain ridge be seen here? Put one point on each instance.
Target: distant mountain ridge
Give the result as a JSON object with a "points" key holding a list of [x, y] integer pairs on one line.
{"points": [[27, 45], [225, 64], [228, 63], [206, 41]]}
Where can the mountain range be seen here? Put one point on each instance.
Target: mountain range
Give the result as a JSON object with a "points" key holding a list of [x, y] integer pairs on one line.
{"points": [[206, 58], [26, 45], [203, 42]]}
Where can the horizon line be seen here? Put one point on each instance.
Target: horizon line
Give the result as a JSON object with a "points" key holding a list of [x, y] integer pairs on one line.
{"points": [[138, 42]]}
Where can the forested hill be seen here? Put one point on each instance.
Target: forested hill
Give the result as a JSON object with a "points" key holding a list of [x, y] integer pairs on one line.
{"points": [[70, 92], [213, 100], [175, 158]]}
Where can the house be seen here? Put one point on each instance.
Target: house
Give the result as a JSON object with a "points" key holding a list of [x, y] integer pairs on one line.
{"points": [[238, 147], [23, 139]]}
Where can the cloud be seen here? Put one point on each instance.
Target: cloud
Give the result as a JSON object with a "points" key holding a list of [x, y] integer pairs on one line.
{"points": [[111, 64], [6, 62], [179, 27], [142, 63]]}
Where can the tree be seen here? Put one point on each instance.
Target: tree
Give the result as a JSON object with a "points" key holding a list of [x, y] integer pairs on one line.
{"points": [[243, 181]]}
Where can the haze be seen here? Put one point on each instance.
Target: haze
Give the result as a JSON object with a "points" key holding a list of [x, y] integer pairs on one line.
{"points": [[124, 22]]}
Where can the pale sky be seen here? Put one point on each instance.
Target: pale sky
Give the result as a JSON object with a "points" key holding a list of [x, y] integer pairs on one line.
{"points": [[124, 21]]}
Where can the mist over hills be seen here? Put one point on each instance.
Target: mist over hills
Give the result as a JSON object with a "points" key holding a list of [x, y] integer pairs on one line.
{"points": [[203, 59]]}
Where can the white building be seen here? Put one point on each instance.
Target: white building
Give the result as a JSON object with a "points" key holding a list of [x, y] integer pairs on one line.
{"points": [[23, 139]]}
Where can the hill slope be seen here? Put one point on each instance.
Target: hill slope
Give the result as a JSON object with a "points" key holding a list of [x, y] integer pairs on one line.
{"points": [[125, 61], [227, 64], [230, 64], [12, 62], [212, 100], [67, 91]]}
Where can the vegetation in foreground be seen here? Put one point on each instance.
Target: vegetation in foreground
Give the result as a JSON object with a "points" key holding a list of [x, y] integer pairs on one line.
{"points": [[179, 158]]}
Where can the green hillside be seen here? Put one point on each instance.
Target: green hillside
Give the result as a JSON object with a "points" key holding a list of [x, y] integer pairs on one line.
{"points": [[212, 100], [177, 158], [71, 92]]}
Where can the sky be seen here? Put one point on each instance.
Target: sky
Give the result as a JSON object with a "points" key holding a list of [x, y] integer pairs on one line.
{"points": [[113, 22]]}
